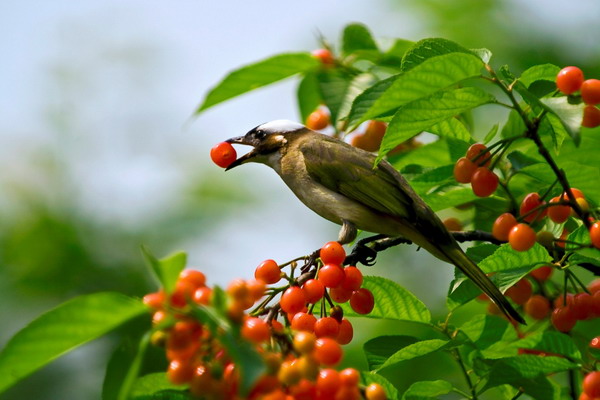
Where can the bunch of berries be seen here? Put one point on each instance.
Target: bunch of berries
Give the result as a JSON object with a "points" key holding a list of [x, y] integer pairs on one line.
{"points": [[533, 209], [298, 346], [565, 309], [475, 168], [570, 81]]}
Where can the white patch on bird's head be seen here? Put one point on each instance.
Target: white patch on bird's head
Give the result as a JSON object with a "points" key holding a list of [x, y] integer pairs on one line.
{"points": [[280, 126]]}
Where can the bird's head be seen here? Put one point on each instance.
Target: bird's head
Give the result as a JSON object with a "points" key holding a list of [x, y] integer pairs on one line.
{"points": [[268, 140]]}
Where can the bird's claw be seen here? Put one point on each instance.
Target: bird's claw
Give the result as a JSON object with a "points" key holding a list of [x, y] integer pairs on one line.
{"points": [[362, 254]]}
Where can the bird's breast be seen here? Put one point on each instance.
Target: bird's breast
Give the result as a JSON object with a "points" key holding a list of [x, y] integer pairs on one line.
{"points": [[329, 204]]}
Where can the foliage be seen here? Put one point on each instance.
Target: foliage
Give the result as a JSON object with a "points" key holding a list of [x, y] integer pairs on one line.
{"points": [[433, 85]]}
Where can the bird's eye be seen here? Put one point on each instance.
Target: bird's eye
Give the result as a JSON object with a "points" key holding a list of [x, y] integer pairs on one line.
{"points": [[259, 134]]}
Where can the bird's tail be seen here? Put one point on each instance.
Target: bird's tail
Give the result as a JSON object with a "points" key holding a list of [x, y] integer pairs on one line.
{"points": [[457, 257]]}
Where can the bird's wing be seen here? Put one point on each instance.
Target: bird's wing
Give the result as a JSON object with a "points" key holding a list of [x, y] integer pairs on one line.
{"points": [[350, 171]]}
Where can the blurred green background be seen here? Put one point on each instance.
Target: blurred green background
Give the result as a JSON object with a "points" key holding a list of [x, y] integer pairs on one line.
{"points": [[99, 153]]}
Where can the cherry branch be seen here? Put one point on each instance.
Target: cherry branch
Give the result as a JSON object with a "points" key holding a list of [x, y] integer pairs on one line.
{"points": [[533, 134]]}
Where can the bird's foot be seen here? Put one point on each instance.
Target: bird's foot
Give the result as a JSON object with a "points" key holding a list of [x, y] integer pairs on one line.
{"points": [[362, 253]]}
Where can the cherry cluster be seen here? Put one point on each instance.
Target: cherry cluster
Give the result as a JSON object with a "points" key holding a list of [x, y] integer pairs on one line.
{"points": [[474, 168], [539, 302], [570, 81], [299, 337], [591, 385]]}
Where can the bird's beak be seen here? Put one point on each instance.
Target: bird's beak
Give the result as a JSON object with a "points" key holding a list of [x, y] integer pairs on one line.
{"points": [[245, 157]]}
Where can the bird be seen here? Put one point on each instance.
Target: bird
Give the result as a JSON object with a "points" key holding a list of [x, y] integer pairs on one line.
{"points": [[344, 185]]}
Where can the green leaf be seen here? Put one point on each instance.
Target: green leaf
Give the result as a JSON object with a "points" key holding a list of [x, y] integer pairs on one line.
{"points": [[333, 86], [417, 116], [433, 74], [581, 176], [520, 160], [491, 134], [517, 368], [429, 155], [509, 266], [379, 349], [552, 126], [442, 200], [259, 74], [570, 115], [390, 390], [506, 259], [540, 388], [451, 128], [309, 95], [415, 350], [481, 251], [552, 343], [396, 51], [392, 301], [491, 335], [427, 390], [582, 235], [357, 37], [62, 329], [514, 126], [543, 72], [358, 84], [124, 366], [167, 269], [156, 386], [429, 48]]}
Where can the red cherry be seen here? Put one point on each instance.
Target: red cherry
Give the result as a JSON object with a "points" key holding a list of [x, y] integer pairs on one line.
{"points": [[590, 91], [484, 182], [346, 332], [569, 80], [331, 275], [332, 253], [503, 225], [180, 371], [303, 322], [375, 392], [327, 327], [595, 234], [538, 307], [530, 202], [155, 300], [353, 278], [256, 330], [520, 292], [521, 237], [479, 154], [268, 271], [328, 383], [591, 384], [324, 55], [223, 154], [542, 273], [591, 117], [362, 301], [563, 319], [558, 213], [318, 119], [349, 377], [340, 294], [464, 170], [327, 351], [453, 224], [583, 306], [595, 343], [293, 300], [314, 290]]}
